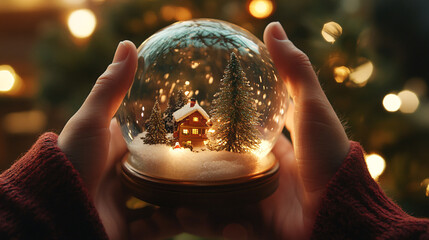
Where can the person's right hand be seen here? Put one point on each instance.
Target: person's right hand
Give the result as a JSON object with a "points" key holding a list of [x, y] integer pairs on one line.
{"points": [[319, 146]]}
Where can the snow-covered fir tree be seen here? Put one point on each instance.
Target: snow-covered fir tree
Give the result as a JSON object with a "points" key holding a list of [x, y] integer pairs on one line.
{"points": [[181, 100], [234, 113], [168, 114], [155, 132]]}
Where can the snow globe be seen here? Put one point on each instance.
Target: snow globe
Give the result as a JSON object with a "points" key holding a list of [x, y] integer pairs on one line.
{"points": [[203, 113]]}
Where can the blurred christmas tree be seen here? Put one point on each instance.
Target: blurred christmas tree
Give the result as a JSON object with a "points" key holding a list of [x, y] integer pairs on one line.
{"points": [[367, 50]]}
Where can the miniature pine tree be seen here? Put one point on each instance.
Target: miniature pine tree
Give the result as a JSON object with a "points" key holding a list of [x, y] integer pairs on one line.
{"points": [[234, 112], [181, 100], [155, 132], [168, 114]]}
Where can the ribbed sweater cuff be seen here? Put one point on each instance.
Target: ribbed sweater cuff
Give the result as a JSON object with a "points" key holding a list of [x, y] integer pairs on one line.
{"points": [[354, 207], [43, 197]]}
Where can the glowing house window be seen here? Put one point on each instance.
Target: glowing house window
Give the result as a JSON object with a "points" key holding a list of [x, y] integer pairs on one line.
{"points": [[194, 131], [185, 131], [195, 119], [189, 142]]}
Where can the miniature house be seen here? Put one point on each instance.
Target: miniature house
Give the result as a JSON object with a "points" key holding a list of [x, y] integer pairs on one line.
{"points": [[192, 124]]}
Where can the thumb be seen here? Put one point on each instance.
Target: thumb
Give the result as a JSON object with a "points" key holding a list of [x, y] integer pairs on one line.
{"points": [[293, 65], [111, 87], [319, 140]]}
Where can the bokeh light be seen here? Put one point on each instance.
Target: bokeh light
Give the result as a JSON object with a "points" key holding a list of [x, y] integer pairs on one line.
{"points": [[341, 74], [391, 102], [331, 31], [135, 203], [26, 122], [7, 78], [362, 73], [171, 13], [82, 23], [376, 165], [74, 2], [409, 101], [426, 184], [427, 190], [261, 8]]}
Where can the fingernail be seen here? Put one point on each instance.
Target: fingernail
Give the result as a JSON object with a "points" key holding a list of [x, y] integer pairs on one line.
{"points": [[121, 52], [278, 32]]}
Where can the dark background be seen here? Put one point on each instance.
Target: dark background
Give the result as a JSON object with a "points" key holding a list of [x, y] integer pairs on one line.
{"points": [[57, 70]]}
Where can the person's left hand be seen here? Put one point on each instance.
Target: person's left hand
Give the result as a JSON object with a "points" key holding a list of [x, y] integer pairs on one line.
{"points": [[93, 142]]}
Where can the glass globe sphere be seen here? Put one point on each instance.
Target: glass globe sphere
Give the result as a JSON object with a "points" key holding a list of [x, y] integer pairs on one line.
{"points": [[206, 104]]}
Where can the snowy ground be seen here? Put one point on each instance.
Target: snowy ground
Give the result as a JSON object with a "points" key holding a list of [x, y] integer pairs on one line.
{"points": [[183, 164]]}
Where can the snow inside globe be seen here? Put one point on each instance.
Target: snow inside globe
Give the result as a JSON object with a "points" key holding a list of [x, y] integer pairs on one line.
{"points": [[205, 108]]}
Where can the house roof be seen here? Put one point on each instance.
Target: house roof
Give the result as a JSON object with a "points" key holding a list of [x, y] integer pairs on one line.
{"points": [[188, 110]]}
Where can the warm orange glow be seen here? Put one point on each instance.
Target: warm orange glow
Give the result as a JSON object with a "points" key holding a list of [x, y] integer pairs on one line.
{"points": [[150, 18], [33, 121], [331, 31], [182, 14], [195, 119], [391, 102], [169, 13], [376, 165], [82, 23], [341, 74], [261, 8]]}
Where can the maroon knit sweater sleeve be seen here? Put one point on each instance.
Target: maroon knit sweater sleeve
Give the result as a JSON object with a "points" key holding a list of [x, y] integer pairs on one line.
{"points": [[354, 207], [43, 197]]}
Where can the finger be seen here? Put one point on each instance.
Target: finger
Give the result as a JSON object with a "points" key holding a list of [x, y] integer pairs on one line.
{"points": [[320, 142], [111, 87], [292, 64], [117, 146], [283, 151], [289, 123]]}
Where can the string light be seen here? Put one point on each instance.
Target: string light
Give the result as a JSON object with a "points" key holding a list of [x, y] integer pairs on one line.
{"points": [[82, 23], [391, 102], [261, 8], [376, 165], [331, 31]]}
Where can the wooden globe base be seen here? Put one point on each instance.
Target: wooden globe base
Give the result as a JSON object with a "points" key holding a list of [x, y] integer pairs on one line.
{"points": [[198, 194]]}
